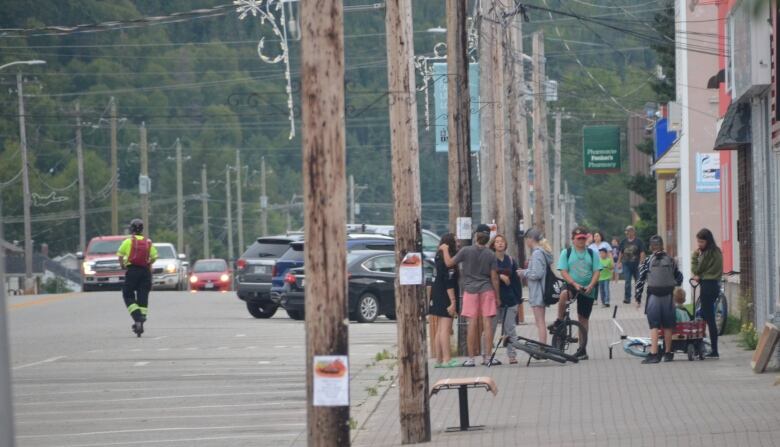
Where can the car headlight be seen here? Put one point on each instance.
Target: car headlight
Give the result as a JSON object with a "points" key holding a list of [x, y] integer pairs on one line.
{"points": [[170, 268], [88, 268], [193, 279], [225, 277]]}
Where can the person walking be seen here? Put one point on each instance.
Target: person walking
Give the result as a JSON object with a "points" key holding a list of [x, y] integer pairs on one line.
{"points": [[595, 244], [511, 294], [444, 294], [615, 256], [632, 253], [661, 275], [605, 277], [707, 270], [480, 288], [137, 254], [536, 275]]}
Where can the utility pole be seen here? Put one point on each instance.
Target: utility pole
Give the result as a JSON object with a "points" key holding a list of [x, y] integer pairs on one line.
{"points": [[488, 127], [557, 241], [179, 200], [499, 167], [541, 179], [7, 437], [410, 299], [351, 199], [263, 200], [325, 219], [229, 202], [144, 181], [458, 123], [240, 206], [82, 186], [114, 172], [518, 141], [204, 187], [565, 217], [29, 287]]}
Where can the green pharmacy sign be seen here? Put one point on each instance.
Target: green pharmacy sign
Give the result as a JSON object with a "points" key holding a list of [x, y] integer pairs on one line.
{"points": [[601, 149]]}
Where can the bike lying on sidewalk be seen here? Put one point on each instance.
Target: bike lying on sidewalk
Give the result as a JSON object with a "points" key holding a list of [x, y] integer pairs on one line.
{"points": [[688, 337], [540, 351]]}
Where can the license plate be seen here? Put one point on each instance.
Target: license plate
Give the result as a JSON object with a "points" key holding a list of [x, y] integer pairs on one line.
{"points": [[113, 279], [261, 269], [209, 285]]}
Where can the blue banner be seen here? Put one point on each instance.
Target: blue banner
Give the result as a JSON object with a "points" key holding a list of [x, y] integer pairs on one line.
{"points": [[664, 138], [440, 106]]}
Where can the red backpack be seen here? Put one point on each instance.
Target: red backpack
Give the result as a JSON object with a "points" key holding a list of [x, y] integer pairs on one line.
{"points": [[140, 250]]}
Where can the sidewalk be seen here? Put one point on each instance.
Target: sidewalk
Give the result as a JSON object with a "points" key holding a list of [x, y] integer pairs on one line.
{"points": [[599, 402]]}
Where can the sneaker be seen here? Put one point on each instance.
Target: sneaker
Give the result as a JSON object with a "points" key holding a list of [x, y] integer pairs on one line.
{"points": [[451, 364], [651, 358], [626, 301], [469, 363], [605, 305], [669, 357], [513, 361], [494, 362], [712, 355], [581, 355]]}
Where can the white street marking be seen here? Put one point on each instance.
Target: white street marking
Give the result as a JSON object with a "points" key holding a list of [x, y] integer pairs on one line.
{"points": [[141, 363], [49, 360]]}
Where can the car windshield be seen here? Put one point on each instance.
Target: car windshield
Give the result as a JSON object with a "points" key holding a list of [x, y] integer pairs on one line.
{"points": [[165, 252], [104, 247], [267, 248], [293, 253], [210, 266]]}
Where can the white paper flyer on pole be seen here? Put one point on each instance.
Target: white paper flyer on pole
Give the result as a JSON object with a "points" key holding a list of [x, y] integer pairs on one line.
{"points": [[411, 271], [331, 381]]}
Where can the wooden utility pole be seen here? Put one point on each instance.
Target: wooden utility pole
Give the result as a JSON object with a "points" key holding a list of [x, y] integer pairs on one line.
{"points": [[487, 181], [410, 299], [82, 186], [562, 230], [518, 141], [458, 123], [556, 202], [114, 172], [351, 199], [499, 167], [239, 207], [179, 200], [204, 187], [325, 219], [7, 437], [229, 202], [29, 287], [541, 179], [144, 181], [263, 200]]}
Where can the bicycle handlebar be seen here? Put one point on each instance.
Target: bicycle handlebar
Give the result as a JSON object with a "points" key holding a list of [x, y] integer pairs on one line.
{"points": [[693, 283]]}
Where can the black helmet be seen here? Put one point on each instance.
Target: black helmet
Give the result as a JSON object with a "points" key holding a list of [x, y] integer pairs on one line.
{"points": [[136, 226]]}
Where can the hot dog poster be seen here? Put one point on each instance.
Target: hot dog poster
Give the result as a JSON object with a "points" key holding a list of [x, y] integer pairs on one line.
{"points": [[331, 380], [411, 271]]}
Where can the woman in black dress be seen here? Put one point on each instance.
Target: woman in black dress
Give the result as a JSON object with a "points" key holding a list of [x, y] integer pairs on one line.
{"points": [[444, 296]]}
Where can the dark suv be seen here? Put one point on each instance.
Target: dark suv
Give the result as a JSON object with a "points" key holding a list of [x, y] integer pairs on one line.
{"points": [[254, 271]]}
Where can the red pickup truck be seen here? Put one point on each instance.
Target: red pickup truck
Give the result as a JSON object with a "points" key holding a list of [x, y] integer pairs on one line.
{"points": [[100, 267]]}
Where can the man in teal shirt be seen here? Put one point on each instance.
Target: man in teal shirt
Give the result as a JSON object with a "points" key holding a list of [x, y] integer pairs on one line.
{"points": [[580, 268]]}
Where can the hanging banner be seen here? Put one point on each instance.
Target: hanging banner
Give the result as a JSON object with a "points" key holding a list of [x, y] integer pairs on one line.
{"points": [[708, 172], [601, 149], [441, 126]]}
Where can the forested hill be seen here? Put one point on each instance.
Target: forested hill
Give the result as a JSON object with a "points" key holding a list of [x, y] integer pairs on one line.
{"points": [[200, 80]]}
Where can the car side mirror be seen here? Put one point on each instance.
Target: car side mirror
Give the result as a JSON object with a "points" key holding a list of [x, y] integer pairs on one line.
{"points": [[182, 256], [80, 255]]}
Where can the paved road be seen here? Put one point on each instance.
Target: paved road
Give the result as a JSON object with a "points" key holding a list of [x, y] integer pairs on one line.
{"points": [[205, 373]]}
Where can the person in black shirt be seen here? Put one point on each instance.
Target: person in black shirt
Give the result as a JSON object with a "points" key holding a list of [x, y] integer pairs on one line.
{"points": [[444, 297], [511, 291], [631, 255]]}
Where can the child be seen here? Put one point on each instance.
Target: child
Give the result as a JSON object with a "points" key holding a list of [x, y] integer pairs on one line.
{"points": [[607, 265], [615, 256], [680, 312]]}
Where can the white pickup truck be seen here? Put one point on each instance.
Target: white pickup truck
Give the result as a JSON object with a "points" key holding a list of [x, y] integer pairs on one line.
{"points": [[170, 269]]}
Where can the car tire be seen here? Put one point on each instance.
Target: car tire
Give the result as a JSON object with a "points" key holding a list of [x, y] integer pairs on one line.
{"points": [[390, 316], [296, 314], [367, 308], [261, 310]]}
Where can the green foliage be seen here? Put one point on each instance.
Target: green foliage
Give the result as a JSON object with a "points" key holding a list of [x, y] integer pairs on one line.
{"points": [[55, 285], [748, 337], [665, 52]]}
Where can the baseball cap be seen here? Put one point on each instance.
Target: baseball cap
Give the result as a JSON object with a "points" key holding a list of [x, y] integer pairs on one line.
{"points": [[579, 233], [630, 228], [483, 228], [534, 234]]}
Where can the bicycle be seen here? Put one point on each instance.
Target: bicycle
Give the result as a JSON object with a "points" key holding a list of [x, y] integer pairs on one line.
{"points": [[640, 346], [538, 350], [570, 335]]}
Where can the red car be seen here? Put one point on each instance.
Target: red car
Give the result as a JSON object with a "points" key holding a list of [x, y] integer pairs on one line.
{"points": [[211, 274]]}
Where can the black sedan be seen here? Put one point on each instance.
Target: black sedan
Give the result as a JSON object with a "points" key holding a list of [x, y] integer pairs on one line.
{"points": [[371, 286]]}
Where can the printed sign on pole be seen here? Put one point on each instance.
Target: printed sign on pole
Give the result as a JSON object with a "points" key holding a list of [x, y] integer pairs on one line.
{"points": [[463, 228], [411, 271], [331, 380]]}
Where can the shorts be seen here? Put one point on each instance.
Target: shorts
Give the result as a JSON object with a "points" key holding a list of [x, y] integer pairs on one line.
{"points": [[584, 303], [482, 304], [660, 312]]}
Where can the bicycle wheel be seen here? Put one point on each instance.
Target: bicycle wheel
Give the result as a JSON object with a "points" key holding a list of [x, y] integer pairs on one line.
{"points": [[570, 338], [536, 352], [637, 348], [547, 349], [721, 313]]}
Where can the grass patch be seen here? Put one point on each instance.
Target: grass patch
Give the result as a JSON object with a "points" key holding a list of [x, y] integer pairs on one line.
{"points": [[352, 424], [384, 355], [748, 337], [372, 391], [733, 326], [381, 379]]}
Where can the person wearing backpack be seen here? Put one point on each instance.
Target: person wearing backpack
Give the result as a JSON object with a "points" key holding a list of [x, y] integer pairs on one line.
{"points": [[137, 254], [537, 275], [580, 269], [661, 275]]}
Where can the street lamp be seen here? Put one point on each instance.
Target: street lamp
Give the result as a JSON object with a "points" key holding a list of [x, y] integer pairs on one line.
{"points": [[30, 62]]}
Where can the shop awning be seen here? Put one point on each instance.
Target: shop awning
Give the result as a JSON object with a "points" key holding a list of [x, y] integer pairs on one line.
{"points": [[735, 131], [669, 163]]}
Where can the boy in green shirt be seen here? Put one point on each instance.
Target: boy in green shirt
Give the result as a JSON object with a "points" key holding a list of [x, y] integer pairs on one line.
{"points": [[607, 267]]}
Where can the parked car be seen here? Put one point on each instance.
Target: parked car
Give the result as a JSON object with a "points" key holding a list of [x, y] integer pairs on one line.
{"points": [[254, 269], [430, 240], [293, 257], [170, 269], [371, 286], [211, 274], [100, 267]]}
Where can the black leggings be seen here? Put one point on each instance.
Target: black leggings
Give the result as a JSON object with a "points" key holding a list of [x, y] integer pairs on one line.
{"points": [[710, 290], [135, 292]]}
